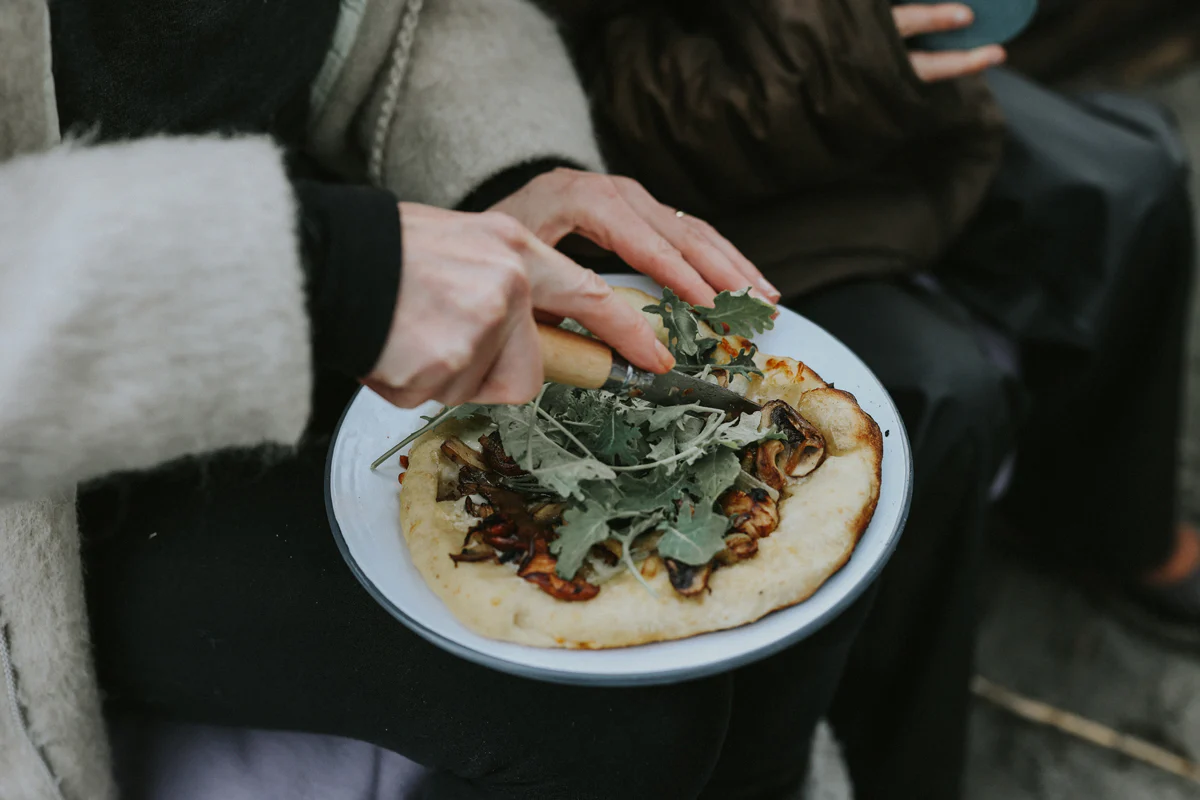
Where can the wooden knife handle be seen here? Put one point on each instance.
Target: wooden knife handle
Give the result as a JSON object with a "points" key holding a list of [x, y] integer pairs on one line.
{"points": [[573, 359]]}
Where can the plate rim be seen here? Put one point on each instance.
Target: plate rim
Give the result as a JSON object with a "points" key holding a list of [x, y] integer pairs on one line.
{"points": [[650, 677]]}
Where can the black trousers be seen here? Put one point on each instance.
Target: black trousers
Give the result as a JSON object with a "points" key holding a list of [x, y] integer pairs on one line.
{"points": [[902, 706], [1083, 254], [239, 611]]}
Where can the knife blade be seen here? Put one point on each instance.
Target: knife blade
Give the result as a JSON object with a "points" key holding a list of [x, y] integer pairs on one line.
{"points": [[586, 363]]}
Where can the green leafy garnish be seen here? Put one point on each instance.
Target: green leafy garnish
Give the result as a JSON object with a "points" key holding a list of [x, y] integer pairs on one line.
{"points": [[694, 536], [679, 318], [581, 528], [637, 475], [738, 314], [735, 313]]}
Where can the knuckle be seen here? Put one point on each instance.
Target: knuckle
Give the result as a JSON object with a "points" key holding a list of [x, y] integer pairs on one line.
{"points": [[592, 287], [507, 227], [514, 280], [490, 308], [604, 187], [563, 174], [702, 226], [665, 252], [625, 182], [453, 357]]}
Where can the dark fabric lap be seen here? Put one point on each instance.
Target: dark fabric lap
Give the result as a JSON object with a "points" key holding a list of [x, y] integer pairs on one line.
{"points": [[240, 611]]}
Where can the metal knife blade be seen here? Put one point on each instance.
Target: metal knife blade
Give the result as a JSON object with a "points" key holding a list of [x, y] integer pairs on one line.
{"points": [[674, 388]]}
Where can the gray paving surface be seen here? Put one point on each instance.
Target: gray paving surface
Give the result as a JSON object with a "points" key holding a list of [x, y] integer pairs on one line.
{"points": [[1048, 642]]}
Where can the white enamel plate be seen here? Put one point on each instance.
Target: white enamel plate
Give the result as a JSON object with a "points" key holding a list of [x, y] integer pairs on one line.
{"points": [[364, 511]]}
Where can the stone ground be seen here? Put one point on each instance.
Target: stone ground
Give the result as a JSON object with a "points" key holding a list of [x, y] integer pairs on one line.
{"points": [[1049, 642]]}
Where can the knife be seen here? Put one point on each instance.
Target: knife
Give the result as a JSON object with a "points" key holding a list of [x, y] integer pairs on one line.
{"points": [[586, 363]]}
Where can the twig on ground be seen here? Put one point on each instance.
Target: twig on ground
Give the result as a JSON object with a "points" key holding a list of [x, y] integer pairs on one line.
{"points": [[1085, 729]]}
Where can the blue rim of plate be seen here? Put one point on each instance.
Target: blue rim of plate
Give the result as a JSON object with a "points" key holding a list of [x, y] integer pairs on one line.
{"points": [[674, 675]]}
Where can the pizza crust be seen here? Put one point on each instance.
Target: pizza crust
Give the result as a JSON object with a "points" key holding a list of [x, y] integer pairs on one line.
{"points": [[822, 517]]}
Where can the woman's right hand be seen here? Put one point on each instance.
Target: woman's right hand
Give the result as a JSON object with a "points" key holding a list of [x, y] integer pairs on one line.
{"points": [[464, 328]]}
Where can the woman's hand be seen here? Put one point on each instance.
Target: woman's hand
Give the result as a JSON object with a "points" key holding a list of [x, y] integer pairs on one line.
{"points": [[918, 19], [618, 214], [464, 324]]}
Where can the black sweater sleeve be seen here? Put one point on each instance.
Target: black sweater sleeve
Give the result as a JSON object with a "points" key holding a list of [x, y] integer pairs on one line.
{"points": [[351, 245], [351, 248]]}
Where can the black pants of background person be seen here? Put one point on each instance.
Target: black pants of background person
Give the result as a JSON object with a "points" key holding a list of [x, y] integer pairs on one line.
{"points": [[901, 708], [240, 612], [1083, 255]]}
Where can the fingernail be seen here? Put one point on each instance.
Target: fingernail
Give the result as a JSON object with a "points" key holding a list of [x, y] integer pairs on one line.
{"points": [[664, 355], [772, 293], [962, 16], [997, 57]]}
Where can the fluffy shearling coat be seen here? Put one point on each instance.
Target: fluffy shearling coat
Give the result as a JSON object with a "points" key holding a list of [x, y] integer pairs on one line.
{"points": [[152, 306]]}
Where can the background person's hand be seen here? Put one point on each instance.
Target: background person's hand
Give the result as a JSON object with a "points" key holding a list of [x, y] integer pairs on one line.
{"points": [[618, 214], [917, 19], [464, 326]]}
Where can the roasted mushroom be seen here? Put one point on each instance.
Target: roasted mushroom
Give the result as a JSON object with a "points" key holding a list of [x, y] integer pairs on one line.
{"points": [[540, 570], [474, 554], [604, 555], [688, 580], [804, 448], [560, 589], [480, 510], [738, 547], [496, 458], [748, 458], [766, 464], [500, 532], [462, 454], [548, 514], [753, 513]]}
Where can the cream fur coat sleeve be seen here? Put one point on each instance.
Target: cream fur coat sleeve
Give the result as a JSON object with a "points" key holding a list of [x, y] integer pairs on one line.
{"points": [[140, 320]]}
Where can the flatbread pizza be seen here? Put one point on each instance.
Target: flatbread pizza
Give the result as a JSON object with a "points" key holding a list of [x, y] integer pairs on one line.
{"points": [[587, 520]]}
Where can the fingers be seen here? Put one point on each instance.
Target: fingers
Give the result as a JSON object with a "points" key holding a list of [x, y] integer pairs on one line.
{"points": [[562, 287], [616, 226], [696, 241], [916, 19], [516, 376], [467, 384], [751, 273], [931, 67]]}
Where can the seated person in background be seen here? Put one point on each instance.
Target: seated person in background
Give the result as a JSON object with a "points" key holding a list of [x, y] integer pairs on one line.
{"points": [[851, 170]]}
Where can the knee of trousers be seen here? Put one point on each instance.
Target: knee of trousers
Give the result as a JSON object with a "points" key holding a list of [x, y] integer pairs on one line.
{"points": [[657, 743], [1144, 157], [968, 414]]}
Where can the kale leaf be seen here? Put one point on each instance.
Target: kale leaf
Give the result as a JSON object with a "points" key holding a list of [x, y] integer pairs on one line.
{"points": [[738, 313], [694, 538]]}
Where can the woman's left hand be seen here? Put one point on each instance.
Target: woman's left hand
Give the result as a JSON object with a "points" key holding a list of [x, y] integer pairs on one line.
{"points": [[618, 214], [918, 18]]}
